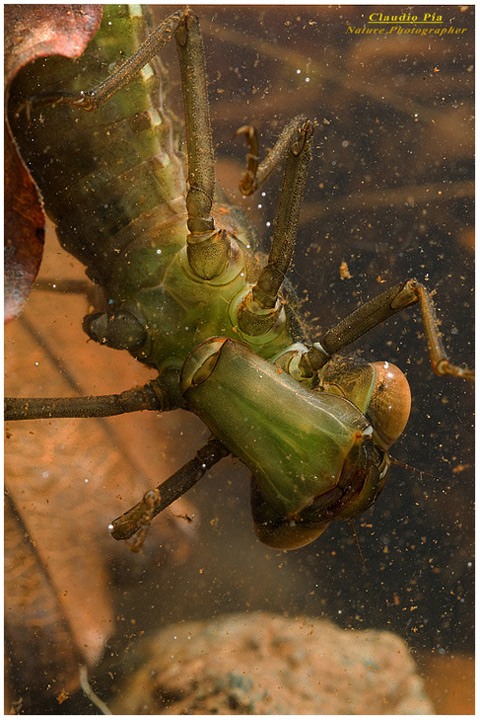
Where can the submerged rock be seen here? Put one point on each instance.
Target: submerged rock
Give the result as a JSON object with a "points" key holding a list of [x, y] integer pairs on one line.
{"points": [[266, 664]]}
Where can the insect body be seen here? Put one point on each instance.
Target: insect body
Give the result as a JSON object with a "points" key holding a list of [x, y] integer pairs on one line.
{"points": [[184, 294]]}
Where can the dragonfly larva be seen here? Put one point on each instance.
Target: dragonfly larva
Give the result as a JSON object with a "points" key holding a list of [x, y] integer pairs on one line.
{"points": [[185, 295]]}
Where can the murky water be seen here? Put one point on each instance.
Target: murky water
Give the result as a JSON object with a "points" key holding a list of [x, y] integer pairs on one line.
{"points": [[390, 194]]}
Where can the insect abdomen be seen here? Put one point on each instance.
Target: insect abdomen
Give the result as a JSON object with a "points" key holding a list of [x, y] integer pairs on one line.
{"points": [[111, 179]]}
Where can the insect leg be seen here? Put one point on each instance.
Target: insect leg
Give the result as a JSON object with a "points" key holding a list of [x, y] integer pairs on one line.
{"points": [[208, 250], [373, 313], [262, 307], [255, 175], [438, 355], [271, 277], [170, 490], [160, 395], [201, 162], [72, 287], [93, 98]]}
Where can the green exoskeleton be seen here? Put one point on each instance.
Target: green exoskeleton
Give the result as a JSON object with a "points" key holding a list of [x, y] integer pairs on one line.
{"points": [[184, 294]]}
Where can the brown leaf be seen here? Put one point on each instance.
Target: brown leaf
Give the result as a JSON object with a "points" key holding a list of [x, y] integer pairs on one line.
{"points": [[32, 32], [66, 481], [35, 619], [24, 230], [35, 31]]}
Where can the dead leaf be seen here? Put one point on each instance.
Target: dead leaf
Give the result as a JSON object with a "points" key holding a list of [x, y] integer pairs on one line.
{"points": [[66, 481], [32, 32]]}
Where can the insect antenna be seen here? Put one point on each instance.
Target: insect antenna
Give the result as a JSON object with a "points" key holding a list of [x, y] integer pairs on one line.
{"points": [[355, 537], [421, 473]]}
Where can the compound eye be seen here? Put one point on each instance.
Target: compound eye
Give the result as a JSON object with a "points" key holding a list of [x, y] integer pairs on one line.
{"points": [[390, 403]]}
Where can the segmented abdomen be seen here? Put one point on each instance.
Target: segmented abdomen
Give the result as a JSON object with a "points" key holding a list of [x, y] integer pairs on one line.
{"points": [[113, 177]]}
